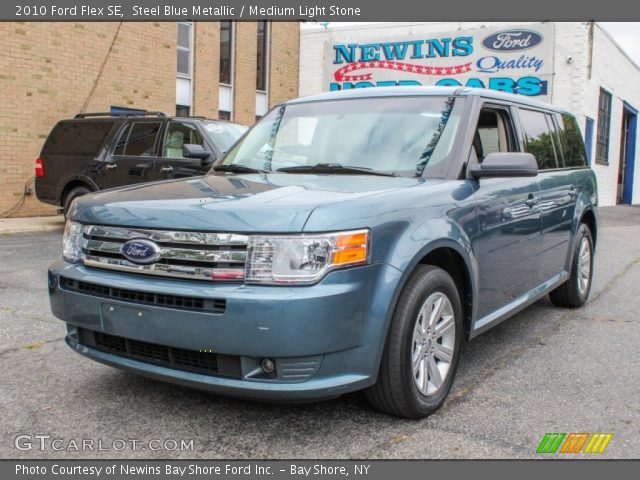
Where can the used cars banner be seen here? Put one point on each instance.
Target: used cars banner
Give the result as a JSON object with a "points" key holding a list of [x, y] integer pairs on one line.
{"points": [[514, 60]]}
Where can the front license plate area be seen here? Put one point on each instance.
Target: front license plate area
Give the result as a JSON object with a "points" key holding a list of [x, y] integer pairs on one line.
{"points": [[128, 322]]}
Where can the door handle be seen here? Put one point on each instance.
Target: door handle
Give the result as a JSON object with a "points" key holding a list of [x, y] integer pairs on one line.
{"points": [[111, 166], [573, 192], [532, 201], [166, 169]]}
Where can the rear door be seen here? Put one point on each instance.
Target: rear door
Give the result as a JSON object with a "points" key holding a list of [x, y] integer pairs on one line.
{"points": [[558, 190], [508, 244], [134, 155], [172, 163]]}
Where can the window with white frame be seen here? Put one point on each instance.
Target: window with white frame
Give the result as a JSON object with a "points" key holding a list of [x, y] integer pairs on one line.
{"points": [[225, 95], [184, 69], [262, 69]]}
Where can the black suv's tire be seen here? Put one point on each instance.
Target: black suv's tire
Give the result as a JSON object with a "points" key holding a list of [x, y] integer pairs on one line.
{"points": [[575, 291], [72, 195], [396, 391]]}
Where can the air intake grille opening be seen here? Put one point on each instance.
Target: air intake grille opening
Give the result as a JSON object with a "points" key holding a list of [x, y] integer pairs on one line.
{"points": [[134, 296], [172, 357]]}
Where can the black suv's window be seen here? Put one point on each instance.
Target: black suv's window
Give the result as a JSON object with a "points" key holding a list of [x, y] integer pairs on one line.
{"points": [[539, 138], [77, 138], [177, 135], [139, 140], [493, 133], [575, 154]]}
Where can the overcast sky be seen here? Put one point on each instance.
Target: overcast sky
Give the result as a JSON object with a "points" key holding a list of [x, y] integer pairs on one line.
{"points": [[626, 34]]}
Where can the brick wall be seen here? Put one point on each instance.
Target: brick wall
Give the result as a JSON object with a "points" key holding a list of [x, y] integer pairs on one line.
{"points": [[283, 65], [244, 82], [48, 71]]}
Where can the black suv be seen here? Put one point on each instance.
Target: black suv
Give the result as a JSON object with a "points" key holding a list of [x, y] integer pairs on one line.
{"points": [[96, 151]]}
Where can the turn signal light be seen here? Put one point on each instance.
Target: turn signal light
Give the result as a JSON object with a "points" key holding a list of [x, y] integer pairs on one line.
{"points": [[351, 248]]}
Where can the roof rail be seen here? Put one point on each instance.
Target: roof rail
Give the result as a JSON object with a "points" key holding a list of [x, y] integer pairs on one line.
{"points": [[142, 113]]}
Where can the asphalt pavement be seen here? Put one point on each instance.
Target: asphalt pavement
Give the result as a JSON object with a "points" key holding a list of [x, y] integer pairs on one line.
{"points": [[544, 370]]}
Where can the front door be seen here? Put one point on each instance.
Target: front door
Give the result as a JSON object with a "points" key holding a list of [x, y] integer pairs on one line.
{"points": [[172, 163], [134, 156], [508, 244], [627, 155]]}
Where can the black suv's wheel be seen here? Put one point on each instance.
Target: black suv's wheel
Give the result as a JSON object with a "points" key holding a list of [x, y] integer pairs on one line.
{"points": [[423, 346], [72, 195], [575, 291]]}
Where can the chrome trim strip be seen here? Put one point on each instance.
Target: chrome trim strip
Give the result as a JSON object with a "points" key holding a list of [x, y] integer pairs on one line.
{"points": [[161, 236]]}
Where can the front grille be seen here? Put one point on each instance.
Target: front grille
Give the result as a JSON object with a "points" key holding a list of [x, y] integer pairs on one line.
{"points": [[214, 305], [178, 358], [191, 255]]}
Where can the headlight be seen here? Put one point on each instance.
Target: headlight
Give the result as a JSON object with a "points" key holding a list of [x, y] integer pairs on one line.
{"points": [[303, 259], [72, 241]]}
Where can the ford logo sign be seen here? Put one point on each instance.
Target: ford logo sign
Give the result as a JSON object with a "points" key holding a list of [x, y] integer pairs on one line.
{"points": [[512, 40], [141, 251]]}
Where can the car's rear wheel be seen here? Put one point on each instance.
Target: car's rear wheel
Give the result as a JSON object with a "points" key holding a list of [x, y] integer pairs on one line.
{"points": [[72, 195], [423, 346], [575, 291]]}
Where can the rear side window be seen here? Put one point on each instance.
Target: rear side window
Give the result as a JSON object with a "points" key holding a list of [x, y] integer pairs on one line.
{"points": [[575, 154], [538, 138], [77, 138], [139, 140]]}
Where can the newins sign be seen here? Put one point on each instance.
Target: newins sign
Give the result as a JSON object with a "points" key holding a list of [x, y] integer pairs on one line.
{"points": [[515, 60]]}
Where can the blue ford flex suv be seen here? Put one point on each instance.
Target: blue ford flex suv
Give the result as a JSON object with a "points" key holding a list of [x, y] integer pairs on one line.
{"points": [[348, 241]]}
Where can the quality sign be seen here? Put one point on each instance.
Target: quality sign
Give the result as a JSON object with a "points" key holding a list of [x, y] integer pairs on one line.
{"points": [[515, 60]]}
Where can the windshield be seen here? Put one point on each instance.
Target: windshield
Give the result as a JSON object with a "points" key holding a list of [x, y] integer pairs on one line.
{"points": [[224, 135], [399, 135]]}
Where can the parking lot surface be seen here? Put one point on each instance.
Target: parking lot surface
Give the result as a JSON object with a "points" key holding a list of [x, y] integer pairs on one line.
{"points": [[545, 370]]}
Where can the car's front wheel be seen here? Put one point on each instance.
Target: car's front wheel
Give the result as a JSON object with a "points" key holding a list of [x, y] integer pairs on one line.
{"points": [[423, 346]]}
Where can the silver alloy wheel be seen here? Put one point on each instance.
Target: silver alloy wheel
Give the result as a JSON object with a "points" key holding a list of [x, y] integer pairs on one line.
{"points": [[584, 266], [434, 337]]}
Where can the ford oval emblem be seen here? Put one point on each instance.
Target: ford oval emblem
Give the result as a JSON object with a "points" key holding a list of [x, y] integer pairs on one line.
{"points": [[141, 251], [512, 40]]}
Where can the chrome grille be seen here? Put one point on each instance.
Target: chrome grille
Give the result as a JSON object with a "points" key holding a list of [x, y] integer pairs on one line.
{"points": [[191, 255]]}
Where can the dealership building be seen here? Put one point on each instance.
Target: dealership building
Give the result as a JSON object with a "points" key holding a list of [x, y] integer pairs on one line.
{"points": [[54, 70], [576, 66]]}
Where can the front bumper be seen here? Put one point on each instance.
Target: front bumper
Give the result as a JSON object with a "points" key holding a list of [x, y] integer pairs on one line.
{"points": [[336, 328]]}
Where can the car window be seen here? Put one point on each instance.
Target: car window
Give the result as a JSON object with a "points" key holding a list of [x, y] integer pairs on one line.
{"points": [[77, 138], [177, 135], [139, 140], [224, 134], [538, 138], [575, 154], [493, 133]]}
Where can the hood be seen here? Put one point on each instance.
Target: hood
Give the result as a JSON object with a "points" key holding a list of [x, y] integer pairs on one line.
{"points": [[274, 202]]}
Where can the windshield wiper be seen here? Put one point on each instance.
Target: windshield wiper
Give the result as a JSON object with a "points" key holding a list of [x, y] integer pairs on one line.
{"points": [[333, 168], [237, 168]]}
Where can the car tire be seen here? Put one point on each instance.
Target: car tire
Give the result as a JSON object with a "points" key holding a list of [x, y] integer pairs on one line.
{"points": [[575, 291], [397, 391], [72, 195]]}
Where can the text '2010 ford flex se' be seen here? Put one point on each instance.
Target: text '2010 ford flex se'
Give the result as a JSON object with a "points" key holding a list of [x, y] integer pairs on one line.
{"points": [[348, 241]]}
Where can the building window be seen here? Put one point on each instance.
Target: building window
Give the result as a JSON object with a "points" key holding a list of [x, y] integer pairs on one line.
{"points": [[225, 94], [183, 110], [185, 40], [184, 69], [226, 52], [604, 127], [261, 71]]}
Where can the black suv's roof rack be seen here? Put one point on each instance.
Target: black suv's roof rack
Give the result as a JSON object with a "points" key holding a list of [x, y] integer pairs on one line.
{"points": [[120, 114]]}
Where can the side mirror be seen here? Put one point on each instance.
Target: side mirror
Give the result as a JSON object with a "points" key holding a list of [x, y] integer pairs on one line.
{"points": [[506, 164], [192, 150]]}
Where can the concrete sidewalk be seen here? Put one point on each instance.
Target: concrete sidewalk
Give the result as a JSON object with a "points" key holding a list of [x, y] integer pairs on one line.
{"points": [[11, 226]]}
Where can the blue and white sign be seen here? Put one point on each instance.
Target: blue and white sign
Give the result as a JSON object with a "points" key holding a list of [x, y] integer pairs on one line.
{"points": [[140, 251], [515, 60]]}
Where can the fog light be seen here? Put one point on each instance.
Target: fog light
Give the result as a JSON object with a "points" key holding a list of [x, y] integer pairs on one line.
{"points": [[267, 365]]}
